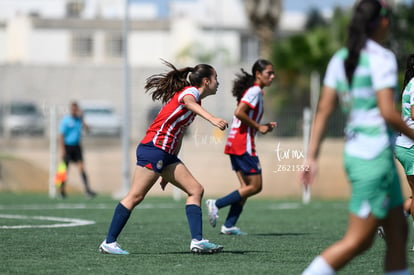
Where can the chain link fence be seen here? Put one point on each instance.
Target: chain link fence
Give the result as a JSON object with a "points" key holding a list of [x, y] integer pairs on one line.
{"points": [[290, 123]]}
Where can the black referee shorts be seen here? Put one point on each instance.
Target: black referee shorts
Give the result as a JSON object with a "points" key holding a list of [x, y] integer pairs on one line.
{"points": [[73, 153]]}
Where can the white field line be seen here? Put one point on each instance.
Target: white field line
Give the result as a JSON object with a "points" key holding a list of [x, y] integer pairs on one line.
{"points": [[71, 222], [68, 206], [283, 206], [64, 222]]}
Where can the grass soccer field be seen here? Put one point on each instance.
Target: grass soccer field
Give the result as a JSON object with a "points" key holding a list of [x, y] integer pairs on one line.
{"points": [[39, 235]]}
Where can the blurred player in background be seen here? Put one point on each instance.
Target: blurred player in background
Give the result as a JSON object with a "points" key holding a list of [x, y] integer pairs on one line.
{"points": [[70, 136], [404, 149], [240, 145], [182, 91], [363, 75]]}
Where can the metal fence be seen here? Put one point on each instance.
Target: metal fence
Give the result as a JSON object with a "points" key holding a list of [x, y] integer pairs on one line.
{"points": [[290, 124]]}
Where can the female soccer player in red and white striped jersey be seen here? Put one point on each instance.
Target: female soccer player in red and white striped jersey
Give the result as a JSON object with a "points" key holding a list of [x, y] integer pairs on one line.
{"points": [[240, 145], [181, 91]]}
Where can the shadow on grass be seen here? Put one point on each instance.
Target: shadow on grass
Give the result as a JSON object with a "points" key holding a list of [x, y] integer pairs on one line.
{"points": [[243, 252], [279, 234], [238, 252]]}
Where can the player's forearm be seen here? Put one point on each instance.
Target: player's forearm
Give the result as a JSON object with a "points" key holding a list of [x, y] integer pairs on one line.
{"points": [[243, 117], [393, 119], [196, 108], [391, 116], [325, 108], [318, 130]]}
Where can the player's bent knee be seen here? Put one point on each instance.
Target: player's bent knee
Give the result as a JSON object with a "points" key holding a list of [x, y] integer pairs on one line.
{"points": [[196, 191], [253, 190], [136, 199]]}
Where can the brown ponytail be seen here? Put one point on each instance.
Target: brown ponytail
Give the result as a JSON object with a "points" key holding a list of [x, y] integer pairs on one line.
{"points": [[245, 80], [164, 86]]}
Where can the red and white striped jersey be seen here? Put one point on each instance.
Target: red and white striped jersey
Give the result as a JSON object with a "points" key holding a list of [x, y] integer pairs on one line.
{"points": [[170, 123], [241, 137]]}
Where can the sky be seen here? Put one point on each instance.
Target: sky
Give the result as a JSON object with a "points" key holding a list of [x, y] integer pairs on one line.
{"points": [[293, 5], [306, 5], [288, 5], [301, 6]]}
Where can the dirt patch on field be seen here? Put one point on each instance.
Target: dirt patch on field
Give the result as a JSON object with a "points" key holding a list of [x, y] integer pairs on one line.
{"points": [[19, 175]]}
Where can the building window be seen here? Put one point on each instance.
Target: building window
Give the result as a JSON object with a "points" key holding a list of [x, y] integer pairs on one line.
{"points": [[82, 45], [114, 45], [249, 48], [74, 8]]}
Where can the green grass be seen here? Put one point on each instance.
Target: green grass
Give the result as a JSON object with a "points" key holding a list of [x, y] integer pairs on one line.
{"points": [[284, 236]]}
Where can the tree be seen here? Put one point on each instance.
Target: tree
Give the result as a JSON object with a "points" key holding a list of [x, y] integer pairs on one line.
{"points": [[402, 32], [314, 20], [295, 57], [264, 17]]}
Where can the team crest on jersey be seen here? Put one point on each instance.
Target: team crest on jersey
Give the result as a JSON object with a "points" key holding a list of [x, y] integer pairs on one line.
{"points": [[160, 164]]}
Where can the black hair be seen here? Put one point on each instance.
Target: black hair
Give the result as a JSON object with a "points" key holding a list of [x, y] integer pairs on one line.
{"points": [[245, 80], [409, 70], [164, 86], [365, 20]]}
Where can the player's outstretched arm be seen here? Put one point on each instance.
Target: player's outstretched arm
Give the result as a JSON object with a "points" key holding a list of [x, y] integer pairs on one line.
{"points": [[193, 106], [241, 113], [390, 114], [326, 106]]}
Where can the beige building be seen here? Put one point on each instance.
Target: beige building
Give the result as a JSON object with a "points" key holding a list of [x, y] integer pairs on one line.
{"points": [[97, 37], [76, 32], [54, 51]]}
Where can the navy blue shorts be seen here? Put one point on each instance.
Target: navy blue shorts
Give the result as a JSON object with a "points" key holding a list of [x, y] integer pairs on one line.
{"points": [[246, 163], [154, 158]]}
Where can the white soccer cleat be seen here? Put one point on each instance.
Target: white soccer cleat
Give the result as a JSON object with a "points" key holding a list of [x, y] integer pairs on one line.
{"points": [[212, 212], [112, 248], [204, 247], [232, 231]]}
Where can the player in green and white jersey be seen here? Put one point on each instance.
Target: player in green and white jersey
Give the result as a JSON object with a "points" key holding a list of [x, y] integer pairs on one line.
{"points": [[363, 75], [404, 149]]}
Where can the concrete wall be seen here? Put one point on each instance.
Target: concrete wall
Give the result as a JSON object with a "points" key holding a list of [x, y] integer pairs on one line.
{"points": [[203, 154]]}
